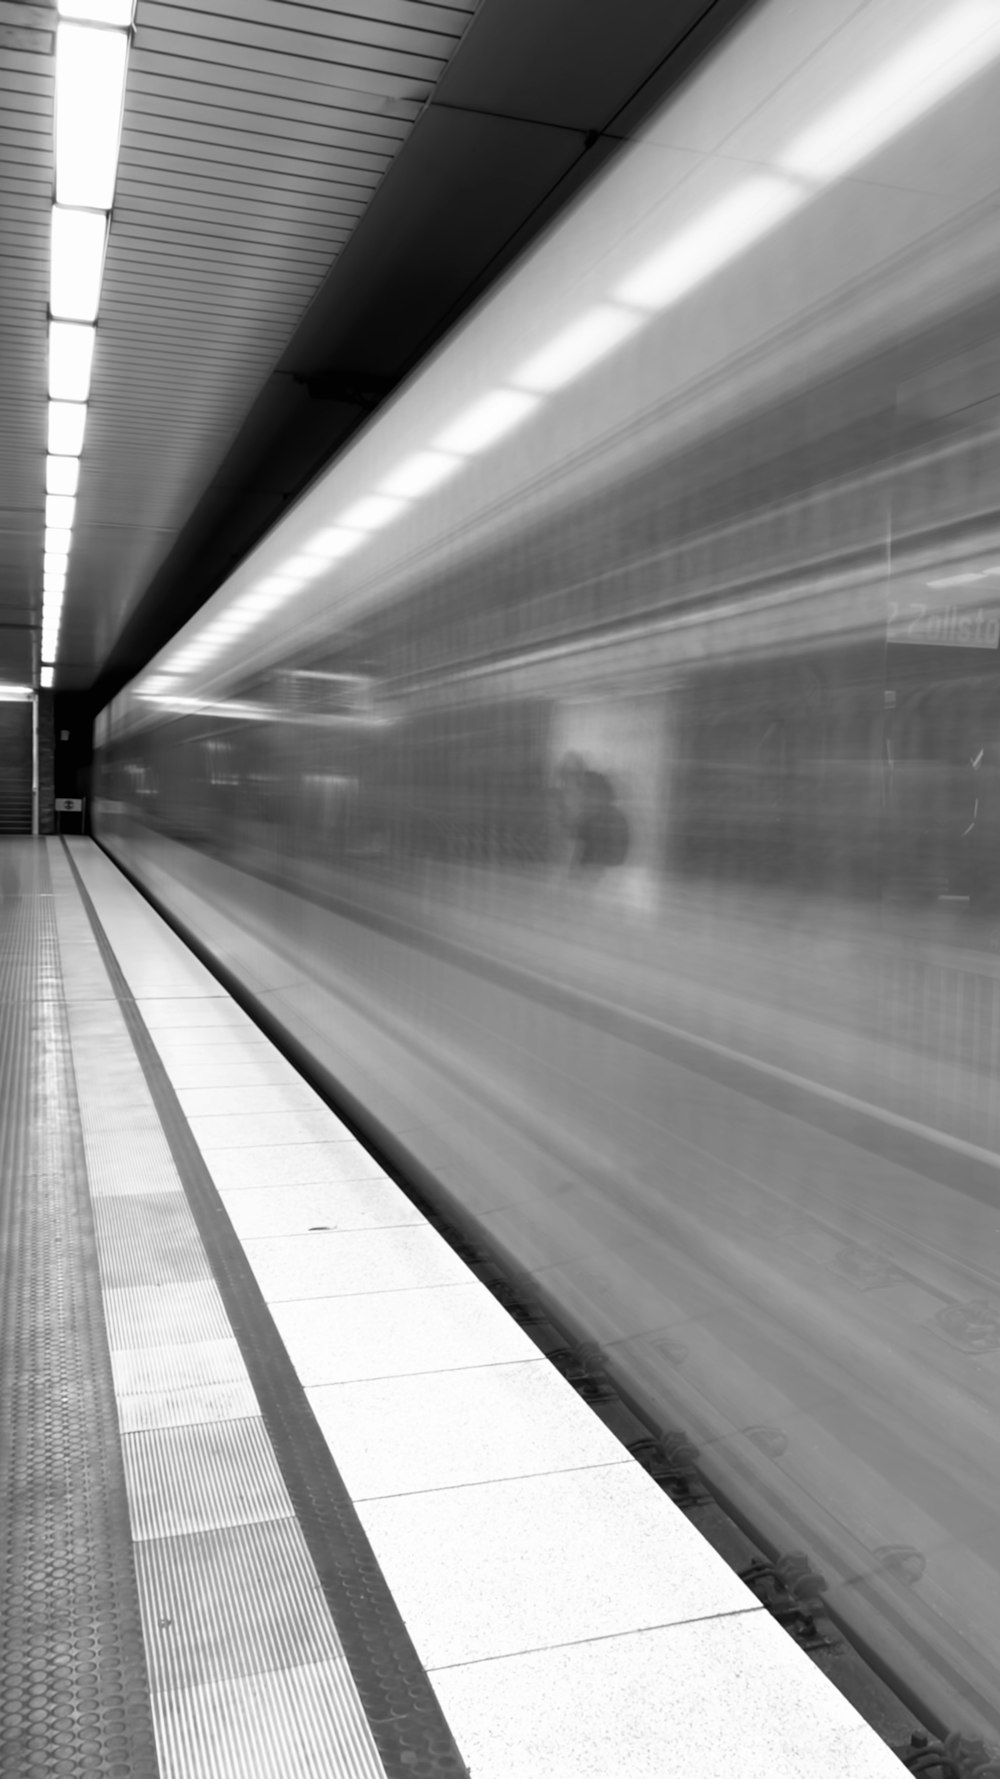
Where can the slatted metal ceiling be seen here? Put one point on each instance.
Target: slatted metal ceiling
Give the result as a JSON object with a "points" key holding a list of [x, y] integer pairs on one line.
{"points": [[26, 41], [255, 133], [254, 136], [230, 366]]}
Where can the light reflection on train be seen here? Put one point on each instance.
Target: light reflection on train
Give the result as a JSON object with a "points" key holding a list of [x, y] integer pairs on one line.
{"points": [[635, 863]]}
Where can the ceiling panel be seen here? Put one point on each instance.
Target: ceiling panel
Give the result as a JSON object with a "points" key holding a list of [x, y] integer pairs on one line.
{"points": [[169, 120], [25, 199], [308, 195], [212, 259]]}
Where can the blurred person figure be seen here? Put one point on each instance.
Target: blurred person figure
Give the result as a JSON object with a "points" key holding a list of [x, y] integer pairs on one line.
{"points": [[596, 827]]}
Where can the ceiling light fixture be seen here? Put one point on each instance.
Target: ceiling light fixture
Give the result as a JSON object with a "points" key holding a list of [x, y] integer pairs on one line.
{"points": [[936, 61], [305, 568], [97, 12], [71, 353], [91, 55], [61, 475], [729, 226], [369, 514], [267, 595], [577, 347], [77, 250], [66, 423], [418, 474], [60, 510], [333, 543], [485, 422], [90, 90]]}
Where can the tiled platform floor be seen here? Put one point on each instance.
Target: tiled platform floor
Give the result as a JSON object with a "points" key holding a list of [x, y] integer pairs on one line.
{"points": [[560, 1612]]}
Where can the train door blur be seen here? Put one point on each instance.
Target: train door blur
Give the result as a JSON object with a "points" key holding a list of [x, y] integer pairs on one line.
{"points": [[610, 758]]}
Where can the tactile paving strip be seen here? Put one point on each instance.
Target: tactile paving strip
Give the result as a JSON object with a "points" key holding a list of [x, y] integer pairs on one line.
{"points": [[74, 1700], [201, 1477], [237, 1603], [286, 1721], [402, 1710], [147, 1239]]}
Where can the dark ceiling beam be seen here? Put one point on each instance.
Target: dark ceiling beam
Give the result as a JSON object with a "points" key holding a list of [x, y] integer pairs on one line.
{"points": [[352, 389]]}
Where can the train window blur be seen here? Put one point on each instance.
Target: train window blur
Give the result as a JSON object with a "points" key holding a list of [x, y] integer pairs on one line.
{"points": [[682, 751]]}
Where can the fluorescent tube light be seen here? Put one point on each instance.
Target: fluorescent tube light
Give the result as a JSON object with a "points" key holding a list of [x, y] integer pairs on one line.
{"points": [[305, 568], [577, 347], [60, 510], [227, 622], [193, 656], [61, 475], [66, 423], [488, 420], [333, 543], [418, 474], [924, 71], [226, 630], [58, 539], [719, 234], [77, 263], [90, 89], [71, 354], [53, 581], [372, 512], [47, 674], [97, 12], [57, 560], [10, 694], [267, 595]]}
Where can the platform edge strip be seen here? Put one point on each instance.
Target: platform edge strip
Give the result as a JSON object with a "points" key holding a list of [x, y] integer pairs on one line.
{"points": [[406, 1720]]}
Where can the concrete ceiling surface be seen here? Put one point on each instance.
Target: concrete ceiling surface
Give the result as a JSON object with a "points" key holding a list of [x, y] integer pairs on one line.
{"points": [[307, 197]]}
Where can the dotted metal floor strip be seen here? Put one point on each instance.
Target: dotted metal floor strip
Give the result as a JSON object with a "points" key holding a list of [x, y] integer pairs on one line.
{"points": [[74, 1699], [405, 1718]]}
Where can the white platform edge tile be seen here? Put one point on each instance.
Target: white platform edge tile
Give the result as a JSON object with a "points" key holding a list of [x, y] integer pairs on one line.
{"points": [[709, 1699], [729, 1689]]}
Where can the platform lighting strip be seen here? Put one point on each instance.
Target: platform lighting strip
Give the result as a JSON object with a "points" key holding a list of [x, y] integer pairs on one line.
{"points": [[962, 40], [92, 44]]}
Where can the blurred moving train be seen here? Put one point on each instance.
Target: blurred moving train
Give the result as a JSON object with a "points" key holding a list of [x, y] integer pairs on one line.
{"points": [[597, 773]]}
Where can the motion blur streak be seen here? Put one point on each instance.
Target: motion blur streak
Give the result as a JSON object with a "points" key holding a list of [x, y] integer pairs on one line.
{"points": [[664, 732]]}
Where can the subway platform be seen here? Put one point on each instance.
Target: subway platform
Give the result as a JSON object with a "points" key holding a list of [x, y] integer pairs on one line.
{"points": [[286, 1493]]}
